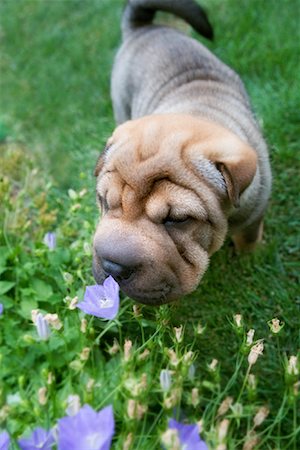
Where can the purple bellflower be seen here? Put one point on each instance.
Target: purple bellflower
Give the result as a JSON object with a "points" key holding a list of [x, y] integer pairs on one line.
{"points": [[4, 440], [188, 435], [39, 440], [101, 300], [42, 327], [50, 240], [1, 309], [87, 430]]}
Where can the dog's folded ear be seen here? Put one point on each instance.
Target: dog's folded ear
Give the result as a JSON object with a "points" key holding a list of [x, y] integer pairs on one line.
{"points": [[101, 159], [235, 160]]}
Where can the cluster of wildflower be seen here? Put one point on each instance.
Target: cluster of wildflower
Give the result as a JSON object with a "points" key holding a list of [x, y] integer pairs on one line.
{"points": [[86, 429]]}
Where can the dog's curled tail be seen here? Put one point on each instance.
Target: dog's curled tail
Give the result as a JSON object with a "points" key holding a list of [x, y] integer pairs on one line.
{"points": [[139, 13]]}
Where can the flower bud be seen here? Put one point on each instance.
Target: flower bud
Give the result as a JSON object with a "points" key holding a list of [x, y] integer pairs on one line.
{"points": [[54, 321], [260, 416], [128, 441], [213, 365], [90, 384], [199, 329], [292, 367], [127, 349], [251, 441], [170, 439], [83, 325], [238, 320], [252, 382], [84, 355], [188, 357], [178, 333], [73, 303], [68, 278], [165, 380], [173, 357], [73, 405], [255, 352], [223, 430], [50, 378], [195, 397], [275, 325], [135, 410], [250, 336], [137, 310], [42, 327], [114, 348], [144, 355], [42, 396], [173, 399], [225, 405]]}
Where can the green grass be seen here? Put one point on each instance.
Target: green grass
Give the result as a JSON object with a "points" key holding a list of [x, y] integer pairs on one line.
{"points": [[55, 118]]}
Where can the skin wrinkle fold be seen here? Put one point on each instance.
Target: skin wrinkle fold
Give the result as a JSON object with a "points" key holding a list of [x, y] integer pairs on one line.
{"points": [[177, 105]]}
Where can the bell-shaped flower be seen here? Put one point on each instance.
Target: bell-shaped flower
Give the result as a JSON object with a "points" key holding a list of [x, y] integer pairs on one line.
{"points": [[40, 439], [88, 430], [101, 300]]}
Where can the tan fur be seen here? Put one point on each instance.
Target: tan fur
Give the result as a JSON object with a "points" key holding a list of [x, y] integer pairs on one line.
{"points": [[173, 181]]}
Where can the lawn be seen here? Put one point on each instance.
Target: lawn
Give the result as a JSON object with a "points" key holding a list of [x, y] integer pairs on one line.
{"points": [[55, 117]]}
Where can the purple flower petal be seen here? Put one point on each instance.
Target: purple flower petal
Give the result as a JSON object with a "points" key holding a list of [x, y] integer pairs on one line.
{"points": [[50, 240], [4, 440], [88, 430], [39, 440], [1, 312], [101, 300], [42, 327], [188, 435]]}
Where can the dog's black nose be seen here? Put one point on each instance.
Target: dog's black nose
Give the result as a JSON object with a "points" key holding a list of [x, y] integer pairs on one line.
{"points": [[118, 271]]}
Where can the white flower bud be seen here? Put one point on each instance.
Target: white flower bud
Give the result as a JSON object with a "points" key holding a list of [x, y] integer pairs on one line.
{"points": [[83, 325], [223, 430], [42, 395], [73, 303], [292, 368], [250, 336], [275, 325], [213, 365], [170, 439], [127, 349], [260, 416], [165, 380], [255, 352], [144, 355], [84, 355], [54, 321], [238, 320], [225, 405], [178, 333], [73, 405]]}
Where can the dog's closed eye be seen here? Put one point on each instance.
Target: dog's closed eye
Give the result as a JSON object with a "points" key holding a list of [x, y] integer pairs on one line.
{"points": [[170, 221]]}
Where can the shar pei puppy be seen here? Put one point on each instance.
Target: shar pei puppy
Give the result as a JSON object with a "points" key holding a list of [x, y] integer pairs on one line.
{"points": [[186, 165]]}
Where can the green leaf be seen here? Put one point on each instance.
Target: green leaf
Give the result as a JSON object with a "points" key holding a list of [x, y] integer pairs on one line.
{"points": [[5, 286], [42, 290], [4, 253], [26, 306], [7, 301]]}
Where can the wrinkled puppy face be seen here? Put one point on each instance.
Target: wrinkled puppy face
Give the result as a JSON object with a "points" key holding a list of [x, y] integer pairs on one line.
{"points": [[163, 204]]}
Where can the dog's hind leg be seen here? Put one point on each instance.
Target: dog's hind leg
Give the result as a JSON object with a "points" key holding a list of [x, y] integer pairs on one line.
{"points": [[247, 239]]}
